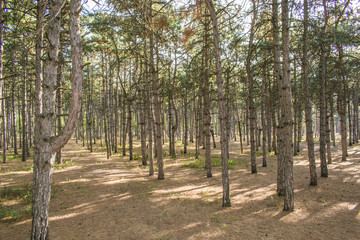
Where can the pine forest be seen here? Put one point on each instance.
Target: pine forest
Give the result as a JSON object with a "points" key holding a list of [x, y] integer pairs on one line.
{"points": [[179, 119]]}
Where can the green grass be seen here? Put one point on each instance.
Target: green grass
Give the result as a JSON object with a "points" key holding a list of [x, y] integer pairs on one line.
{"points": [[7, 212], [273, 201], [24, 193], [65, 164], [215, 161], [136, 157]]}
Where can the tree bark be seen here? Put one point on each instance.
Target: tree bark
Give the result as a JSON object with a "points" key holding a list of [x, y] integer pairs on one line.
{"points": [[307, 96], [322, 78], [207, 102], [157, 105], [221, 107], [2, 83], [280, 81], [46, 145], [285, 147], [250, 78]]}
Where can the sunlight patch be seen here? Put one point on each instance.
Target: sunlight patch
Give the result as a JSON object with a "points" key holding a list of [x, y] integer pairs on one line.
{"points": [[296, 216]]}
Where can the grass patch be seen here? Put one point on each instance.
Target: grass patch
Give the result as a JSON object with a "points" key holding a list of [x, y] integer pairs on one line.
{"points": [[65, 164], [215, 161], [136, 157], [24, 193], [273, 201], [7, 213]]}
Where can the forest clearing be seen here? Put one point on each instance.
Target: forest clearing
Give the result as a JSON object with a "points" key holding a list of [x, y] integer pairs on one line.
{"points": [[99, 198]]}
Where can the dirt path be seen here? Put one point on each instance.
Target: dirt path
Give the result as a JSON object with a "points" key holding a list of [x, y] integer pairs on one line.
{"points": [[116, 199]]}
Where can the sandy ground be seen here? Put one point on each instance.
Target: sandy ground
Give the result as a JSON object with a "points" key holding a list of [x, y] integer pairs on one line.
{"points": [[116, 199]]}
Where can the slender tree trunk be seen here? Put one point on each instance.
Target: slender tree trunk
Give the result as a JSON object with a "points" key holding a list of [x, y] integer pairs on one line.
{"points": [[2, 82], [250, 78], [186, 117], [332, 122], [322, 76], [356, 111], [295, 109], [263, 122], [207, 103], [58, 157], [349, 121], [157, 105], [221, 107], [285, 147], [12, 100], [281, 148], [24, 108], [129, 120], [328, 142]]}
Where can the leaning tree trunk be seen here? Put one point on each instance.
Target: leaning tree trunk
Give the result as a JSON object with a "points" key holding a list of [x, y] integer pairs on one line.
{"points": [[46, 145], [222, 108]]}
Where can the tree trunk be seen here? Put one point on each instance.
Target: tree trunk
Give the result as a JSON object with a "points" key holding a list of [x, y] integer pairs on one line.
{"points": [[58, 157], [2, 83], [307, 97], [250, 78], [129, 120], [280, 81], [157, 105], [207, 102], [322, 78], [285, 147], [332, 122], [24, 108], [221, 107], [263, 122], [45, 144]]}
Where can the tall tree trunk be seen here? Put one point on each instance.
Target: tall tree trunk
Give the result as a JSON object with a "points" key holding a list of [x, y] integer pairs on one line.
{"points": [[328, 142], [45, 144], [349, 121], [263, 121], [2, 82], [356, 111], [221, 107], [12, 100], [207, 103], [186, 130], [322, 76], [282, 104], [295, 108], [250, 78], [332, 121], [285, 147], [130, 131], [58, 157], [24, 107], [157, 105]]}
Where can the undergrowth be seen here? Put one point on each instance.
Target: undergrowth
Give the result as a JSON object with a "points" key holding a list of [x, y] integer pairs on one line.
{"points": [[215, 162]]}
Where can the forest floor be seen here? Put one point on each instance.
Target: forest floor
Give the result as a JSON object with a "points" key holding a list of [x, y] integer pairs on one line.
{"points": [[96, 198]]}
